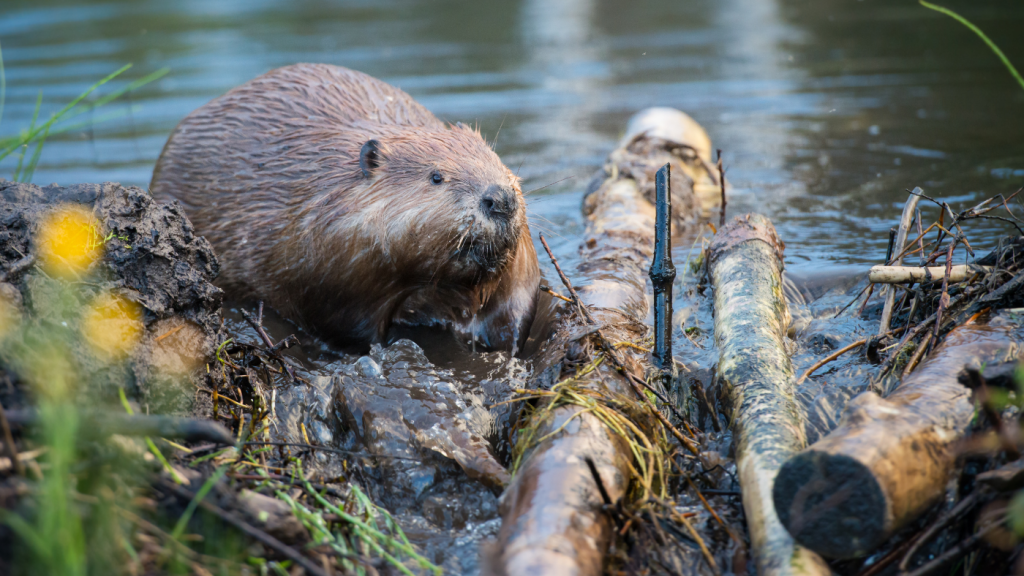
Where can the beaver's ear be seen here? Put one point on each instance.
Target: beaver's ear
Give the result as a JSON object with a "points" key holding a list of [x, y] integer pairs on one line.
{"points": [[369, 157]]}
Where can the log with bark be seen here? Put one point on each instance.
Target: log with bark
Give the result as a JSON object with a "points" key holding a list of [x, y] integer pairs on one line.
{"points": [[889, 459], [751, 318], [552, 519]]}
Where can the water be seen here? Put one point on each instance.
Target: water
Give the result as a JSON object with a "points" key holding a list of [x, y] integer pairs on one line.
{"points": [[827, 110]]}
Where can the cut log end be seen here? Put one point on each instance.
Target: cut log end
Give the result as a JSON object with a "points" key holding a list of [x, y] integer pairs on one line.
{"points": [[831, 503]]}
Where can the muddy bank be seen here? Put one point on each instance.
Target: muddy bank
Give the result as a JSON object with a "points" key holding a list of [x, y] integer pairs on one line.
{"points": [[147, 255]]}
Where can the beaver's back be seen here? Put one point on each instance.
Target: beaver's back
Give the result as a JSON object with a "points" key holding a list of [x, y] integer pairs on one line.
{"points": [[244, 164]]}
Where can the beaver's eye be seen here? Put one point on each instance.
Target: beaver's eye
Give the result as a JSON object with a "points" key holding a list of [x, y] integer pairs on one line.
{"points": [[436, 178]]}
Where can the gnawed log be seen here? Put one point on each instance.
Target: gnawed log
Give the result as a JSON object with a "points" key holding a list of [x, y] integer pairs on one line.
{"points": [[888, 459], [751, 318], [552, 523]]}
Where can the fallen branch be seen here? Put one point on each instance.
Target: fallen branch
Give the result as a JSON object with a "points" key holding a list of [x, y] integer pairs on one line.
{"points": [[751, 319], [889, 459]]}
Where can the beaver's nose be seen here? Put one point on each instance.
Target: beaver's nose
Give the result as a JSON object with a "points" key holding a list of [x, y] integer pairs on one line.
{"points": [[499, 202]]}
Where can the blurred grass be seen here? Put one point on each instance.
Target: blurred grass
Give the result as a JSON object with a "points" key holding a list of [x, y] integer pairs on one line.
{"points": [[36, 135]]}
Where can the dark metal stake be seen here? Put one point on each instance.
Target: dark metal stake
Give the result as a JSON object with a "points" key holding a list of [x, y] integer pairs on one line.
{"points": [[662, 273]]}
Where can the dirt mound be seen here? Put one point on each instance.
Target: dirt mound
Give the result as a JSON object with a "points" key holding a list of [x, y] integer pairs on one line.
{"points": [[147, 255]]}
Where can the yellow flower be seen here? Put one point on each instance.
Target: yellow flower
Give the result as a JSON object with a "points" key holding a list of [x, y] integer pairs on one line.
{"points": [[69, 241], [112, 326]]}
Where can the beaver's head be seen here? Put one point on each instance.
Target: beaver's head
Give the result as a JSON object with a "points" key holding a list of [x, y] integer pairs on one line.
{"points": [[439, 204]]}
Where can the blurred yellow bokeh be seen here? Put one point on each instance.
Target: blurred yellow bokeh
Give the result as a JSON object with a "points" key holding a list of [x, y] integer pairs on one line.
{"points": [[112, 325], [69, 241]]}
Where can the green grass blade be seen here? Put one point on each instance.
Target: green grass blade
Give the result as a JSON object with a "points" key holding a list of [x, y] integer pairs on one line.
{"points": [[26, 532], [82, 109], [21, 157], [179, 528], [149, 441], [976, 30], [27, 176], [35, 132], [118, 93]]}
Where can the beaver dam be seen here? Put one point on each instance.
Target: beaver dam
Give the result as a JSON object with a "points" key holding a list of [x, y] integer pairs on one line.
{"points": [[857, 424]]}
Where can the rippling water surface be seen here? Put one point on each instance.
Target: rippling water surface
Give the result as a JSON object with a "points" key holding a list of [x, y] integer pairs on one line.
{"points": [[827, 110]]}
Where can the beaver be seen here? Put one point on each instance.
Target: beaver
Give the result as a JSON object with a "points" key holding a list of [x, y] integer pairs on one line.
{"points": [[352, 210]]}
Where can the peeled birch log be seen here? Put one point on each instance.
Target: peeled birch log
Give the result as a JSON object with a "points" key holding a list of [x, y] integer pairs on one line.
{"points": [[751, 318], [889, 459], [905, 274], [552, 522]]}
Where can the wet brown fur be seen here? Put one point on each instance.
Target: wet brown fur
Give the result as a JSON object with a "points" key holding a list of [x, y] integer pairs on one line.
{"points": [[270, 174]]}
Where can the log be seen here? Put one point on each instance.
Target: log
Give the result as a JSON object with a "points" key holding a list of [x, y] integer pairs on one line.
{"points": [[552, 520], [889, 459], [751, 318], [905, 274]]}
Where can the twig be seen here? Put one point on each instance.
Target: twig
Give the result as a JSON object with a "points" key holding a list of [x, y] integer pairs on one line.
{"points": [[721, 185], [9, 442], [696, 535], [901, 238], [916, 331], [840, 352], [960, 548], [568, 285], [864, 304], [868, 287], [963, 506], [918, 354], [692, 341], [251, 531], [271, 349], [830, 358], [944, 299], [886, 560], [555, 294]]}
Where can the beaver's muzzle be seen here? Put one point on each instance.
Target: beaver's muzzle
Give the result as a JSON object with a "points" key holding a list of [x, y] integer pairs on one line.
{"points": [[499, 203]]}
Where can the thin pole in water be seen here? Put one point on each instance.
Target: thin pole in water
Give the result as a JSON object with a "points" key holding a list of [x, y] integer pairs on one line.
{"points": [[663, 273]]}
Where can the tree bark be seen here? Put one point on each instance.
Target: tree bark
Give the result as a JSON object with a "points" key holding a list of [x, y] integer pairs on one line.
{"points": [[890, 458], [751, 319]]}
